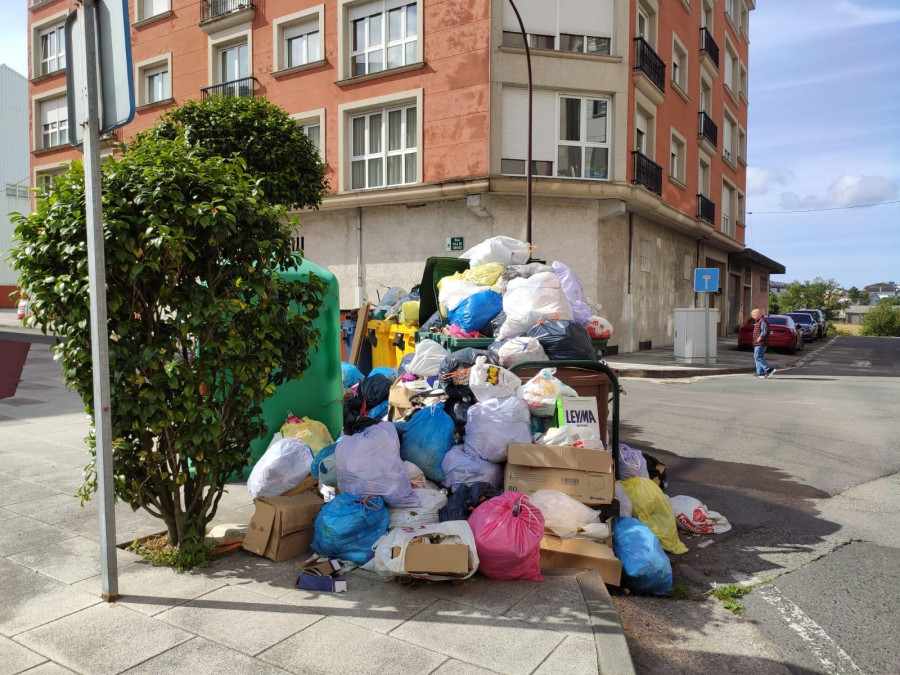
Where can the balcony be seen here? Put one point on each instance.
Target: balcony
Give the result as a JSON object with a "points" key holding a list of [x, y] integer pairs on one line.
{"points": [[706, 210], [709, 52], [649, 71], [244, 87], [646, 172], [216, 15], [708, 133]]}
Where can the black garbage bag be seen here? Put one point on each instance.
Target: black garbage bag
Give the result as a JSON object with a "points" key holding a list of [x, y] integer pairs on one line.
{"points": [[434, 321], [465, 499], [459, 412], [656, 470], [372, 391], [457, 386], [404, 364], [492, 327], [353, 425], [564, 340]]}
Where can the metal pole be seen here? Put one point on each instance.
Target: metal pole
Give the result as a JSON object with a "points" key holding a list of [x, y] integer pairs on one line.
{"points": [[706, 325], [528, 161], [99, 330]]}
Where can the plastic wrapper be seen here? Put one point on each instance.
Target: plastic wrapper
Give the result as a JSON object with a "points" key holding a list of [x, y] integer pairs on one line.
{"points": [[527, 301], [459, 413], [508, 530], [428, 358], [348, 526], [542, 390], [485, 275], [431, 501], [390, 298], [518, 349], [312, 432], [368, 463], [492, 327], [372, 391], [503, 250], [625, 508], [521, 272], [454, 291], [351, 375], [324, 466], [464, 467], [453, 373], [564, 340], [283, 466], [409, 313], [494, 424], [693, 516], [631, 463], [569, 434], [599, 328], [416, 478], [563, 516]]}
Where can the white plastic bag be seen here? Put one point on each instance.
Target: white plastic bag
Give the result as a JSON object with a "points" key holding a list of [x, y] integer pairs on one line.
{"points": [[464, 467], [520, 349], [454, 291], [599, 328], [527, 301], [492, 425], [574, 290], [427, 359], [542, 390], [284, 465], [693, 516], [625, 507], [386, 564], [416, 477], [488, 381], [594, 531], [563, 515], [504, 250], [569, 434], [426, 514], [368, 463]]}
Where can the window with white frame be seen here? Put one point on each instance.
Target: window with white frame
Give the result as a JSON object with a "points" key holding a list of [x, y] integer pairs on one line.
{"points": [[54, 122], [147, 9], [707, 15], [580, 26], [301, 44], [727, 215], [729, 137], [703, 175], [583, 141], [233, 62], [383, 35], [677, 147], [732, 69], [53, 49], [156, 84], [44, 179], [745, 20], [313, 124], [17, 191], [740, 214], [743, 82], [642, 126], [679, 64], [742, 145], [383, 148]]}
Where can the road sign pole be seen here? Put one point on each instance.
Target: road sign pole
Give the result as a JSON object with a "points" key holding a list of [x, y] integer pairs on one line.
{"points": [[99, 328], [706, 327]]}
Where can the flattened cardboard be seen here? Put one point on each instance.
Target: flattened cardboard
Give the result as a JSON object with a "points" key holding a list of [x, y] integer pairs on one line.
{"points": [[580, 411], [282, 527], [584, 475], [441, 559], [307, 483], [324, 568], [581, 554]]}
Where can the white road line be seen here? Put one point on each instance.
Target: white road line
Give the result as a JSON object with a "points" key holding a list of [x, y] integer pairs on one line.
{"points": [[861, 364], [833, 659]]}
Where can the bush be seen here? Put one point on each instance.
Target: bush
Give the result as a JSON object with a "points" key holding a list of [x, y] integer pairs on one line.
{"points": [[882, 320]]}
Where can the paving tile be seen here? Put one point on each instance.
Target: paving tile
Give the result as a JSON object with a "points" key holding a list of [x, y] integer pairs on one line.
{"points": [[459, 631], [202, 657], [21, 534], [71, 560], [254, 573], [105, 638], [5, 514], [55, 509], [574, 656], [369, 602], [12, 422], [48, 668], [334, 646], [454, 667], [482, 593], [555, 608], [18, 401], [240, 619], [31, 599], [151, 590], [14, 658], [16, 457]]}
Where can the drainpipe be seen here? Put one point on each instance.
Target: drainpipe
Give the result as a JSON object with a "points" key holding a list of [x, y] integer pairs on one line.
{"points": [[629, 297], [696, 295], [359, 271]]}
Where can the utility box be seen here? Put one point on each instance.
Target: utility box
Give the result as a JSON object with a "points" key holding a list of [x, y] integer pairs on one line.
{"points": [[690, 343]]}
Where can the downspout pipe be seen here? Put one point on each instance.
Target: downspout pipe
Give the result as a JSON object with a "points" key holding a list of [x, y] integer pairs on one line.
{"points": [[359, 258]]}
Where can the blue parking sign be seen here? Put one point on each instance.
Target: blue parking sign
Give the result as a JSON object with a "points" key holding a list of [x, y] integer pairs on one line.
{"points": [[706, 280]]}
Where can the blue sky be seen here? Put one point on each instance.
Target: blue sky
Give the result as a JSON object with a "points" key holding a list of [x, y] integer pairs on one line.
{"points": [[824, 132]]}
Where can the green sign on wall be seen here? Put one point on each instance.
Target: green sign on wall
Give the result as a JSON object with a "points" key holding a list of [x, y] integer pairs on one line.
{"points": [[454, 243]]}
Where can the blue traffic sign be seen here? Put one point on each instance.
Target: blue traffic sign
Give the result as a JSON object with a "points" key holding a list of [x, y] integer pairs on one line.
{"points": [[706, 280]]}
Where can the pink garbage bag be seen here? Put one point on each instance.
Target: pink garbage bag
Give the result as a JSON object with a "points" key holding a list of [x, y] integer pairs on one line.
{"points": [[508, 530]]}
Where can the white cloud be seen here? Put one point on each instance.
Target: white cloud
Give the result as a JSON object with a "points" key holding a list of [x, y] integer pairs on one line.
{"points": [[762, 181], [866, 16], [847, 190]]}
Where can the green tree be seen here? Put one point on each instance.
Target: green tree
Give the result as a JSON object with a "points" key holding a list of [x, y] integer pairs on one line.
{"points": [[819, 293], [857, 297], [269, 140], [791, 297], [774, 306], [200, 330], [883, 319]]}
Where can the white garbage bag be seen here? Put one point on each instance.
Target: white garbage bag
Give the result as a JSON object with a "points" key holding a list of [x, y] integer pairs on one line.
{"points": [[426, 514], [574, 290], [488, 381], [569, 434], [283, 466], [416, 477], [599, 328], [454, 291], [464, 467], [693, 516], [625, 507], [492, 425], [542, 390], [594, 531], [386, 564], [427, 359], [504, 250], [520, 349], [368, 463], [527, 301], [563, 515]]}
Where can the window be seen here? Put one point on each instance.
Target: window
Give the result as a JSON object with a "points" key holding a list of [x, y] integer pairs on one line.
{"points": [[153, 80], [703, 176], [383, 148], [383, 36], [740, 215], [586, 44], [679, 64], [54, 122], [732, 69], [707, 14], [743, 82], [53, 49], [233, 63], [301, 45], [643, 25], [646, 22], [705, 97], [44, 179], [580, 26], [17, 191], [729, 137], [677, 157], [742, 145], [147, 9], [763, 283], [727, 215], [640, 132], [583, 140], [157, 84], [745, 20], [313, 123]]}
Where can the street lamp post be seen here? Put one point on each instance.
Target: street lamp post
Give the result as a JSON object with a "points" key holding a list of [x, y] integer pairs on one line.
{"points": [[528, 160]]}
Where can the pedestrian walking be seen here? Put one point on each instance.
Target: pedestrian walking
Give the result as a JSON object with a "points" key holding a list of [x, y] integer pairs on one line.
{"points": [[760, 342]]}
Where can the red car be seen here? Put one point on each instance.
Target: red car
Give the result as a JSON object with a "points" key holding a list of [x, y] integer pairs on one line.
{"points": [[785, 334]]}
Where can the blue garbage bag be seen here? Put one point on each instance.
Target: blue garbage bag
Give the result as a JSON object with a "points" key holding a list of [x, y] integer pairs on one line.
{"points": [[389, 373], [379, 410], [348, 526], [351, 375], [476, 311], [323, 466], [428, 437], [645, 566]]}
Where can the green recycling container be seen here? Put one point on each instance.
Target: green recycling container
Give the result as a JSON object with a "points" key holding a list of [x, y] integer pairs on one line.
{"points": [[318, 394]]}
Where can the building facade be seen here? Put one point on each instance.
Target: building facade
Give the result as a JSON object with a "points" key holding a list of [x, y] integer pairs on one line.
{"points": [[419, 109], [14, 172]]}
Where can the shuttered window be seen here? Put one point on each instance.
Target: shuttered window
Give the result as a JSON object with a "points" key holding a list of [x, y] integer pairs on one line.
{"points": [[567, 25], [54, 122]]}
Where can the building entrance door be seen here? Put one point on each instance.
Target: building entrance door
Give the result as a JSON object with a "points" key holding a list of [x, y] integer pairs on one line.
{"points": [[734, 305]]}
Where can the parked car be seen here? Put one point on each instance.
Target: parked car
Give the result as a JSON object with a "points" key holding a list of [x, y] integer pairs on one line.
{"points": [[807, 324], [784, 334], [820, 320], [813, 316]]}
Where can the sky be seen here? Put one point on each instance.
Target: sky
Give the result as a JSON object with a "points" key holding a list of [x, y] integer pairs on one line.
{"points": [[823, 133]]}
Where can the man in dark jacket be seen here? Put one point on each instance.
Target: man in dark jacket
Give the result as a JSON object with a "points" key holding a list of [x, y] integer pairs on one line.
{"points": [[760, 342]]}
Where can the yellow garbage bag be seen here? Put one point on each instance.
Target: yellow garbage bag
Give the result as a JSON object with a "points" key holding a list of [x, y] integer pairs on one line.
{"points": [[485, 275], [651, 507], [313, 433], [409, 313]]}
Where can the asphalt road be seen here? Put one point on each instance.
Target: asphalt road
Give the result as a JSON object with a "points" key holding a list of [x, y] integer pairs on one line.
{"points": [[805, 467]]}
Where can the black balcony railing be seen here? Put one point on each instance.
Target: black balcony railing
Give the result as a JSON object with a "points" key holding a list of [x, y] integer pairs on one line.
{"points": [[210, 9], [648, 62], [708, 46], [646, 172], [706, 210], [708, 129], [244, 88]]}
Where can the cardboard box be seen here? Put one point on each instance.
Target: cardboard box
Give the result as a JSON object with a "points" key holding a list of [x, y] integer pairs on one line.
{"points": [[282, 527], [585, 475], [579, 411], [581, 554], [401, 396], [324, 568], [307, 483], [441, 559]]}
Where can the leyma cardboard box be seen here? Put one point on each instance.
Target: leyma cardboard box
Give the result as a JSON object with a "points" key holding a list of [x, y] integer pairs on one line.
{"points": [[282, 527], [585, 475]]}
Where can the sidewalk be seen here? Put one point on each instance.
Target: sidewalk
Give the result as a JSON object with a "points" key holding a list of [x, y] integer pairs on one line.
{"points": [[243, 614]]}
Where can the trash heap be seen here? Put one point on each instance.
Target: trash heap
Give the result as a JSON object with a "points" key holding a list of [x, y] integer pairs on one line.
{"points": [[454, 464]]}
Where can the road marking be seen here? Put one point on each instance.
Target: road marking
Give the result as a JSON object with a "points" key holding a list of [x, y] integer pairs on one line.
{"points": [[829, 654], [861, 364]]}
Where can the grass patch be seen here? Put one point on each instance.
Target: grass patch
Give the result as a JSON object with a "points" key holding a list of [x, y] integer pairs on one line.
{"points": [[730, 595], [846, 329], [158, 552], [680, 591]]}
